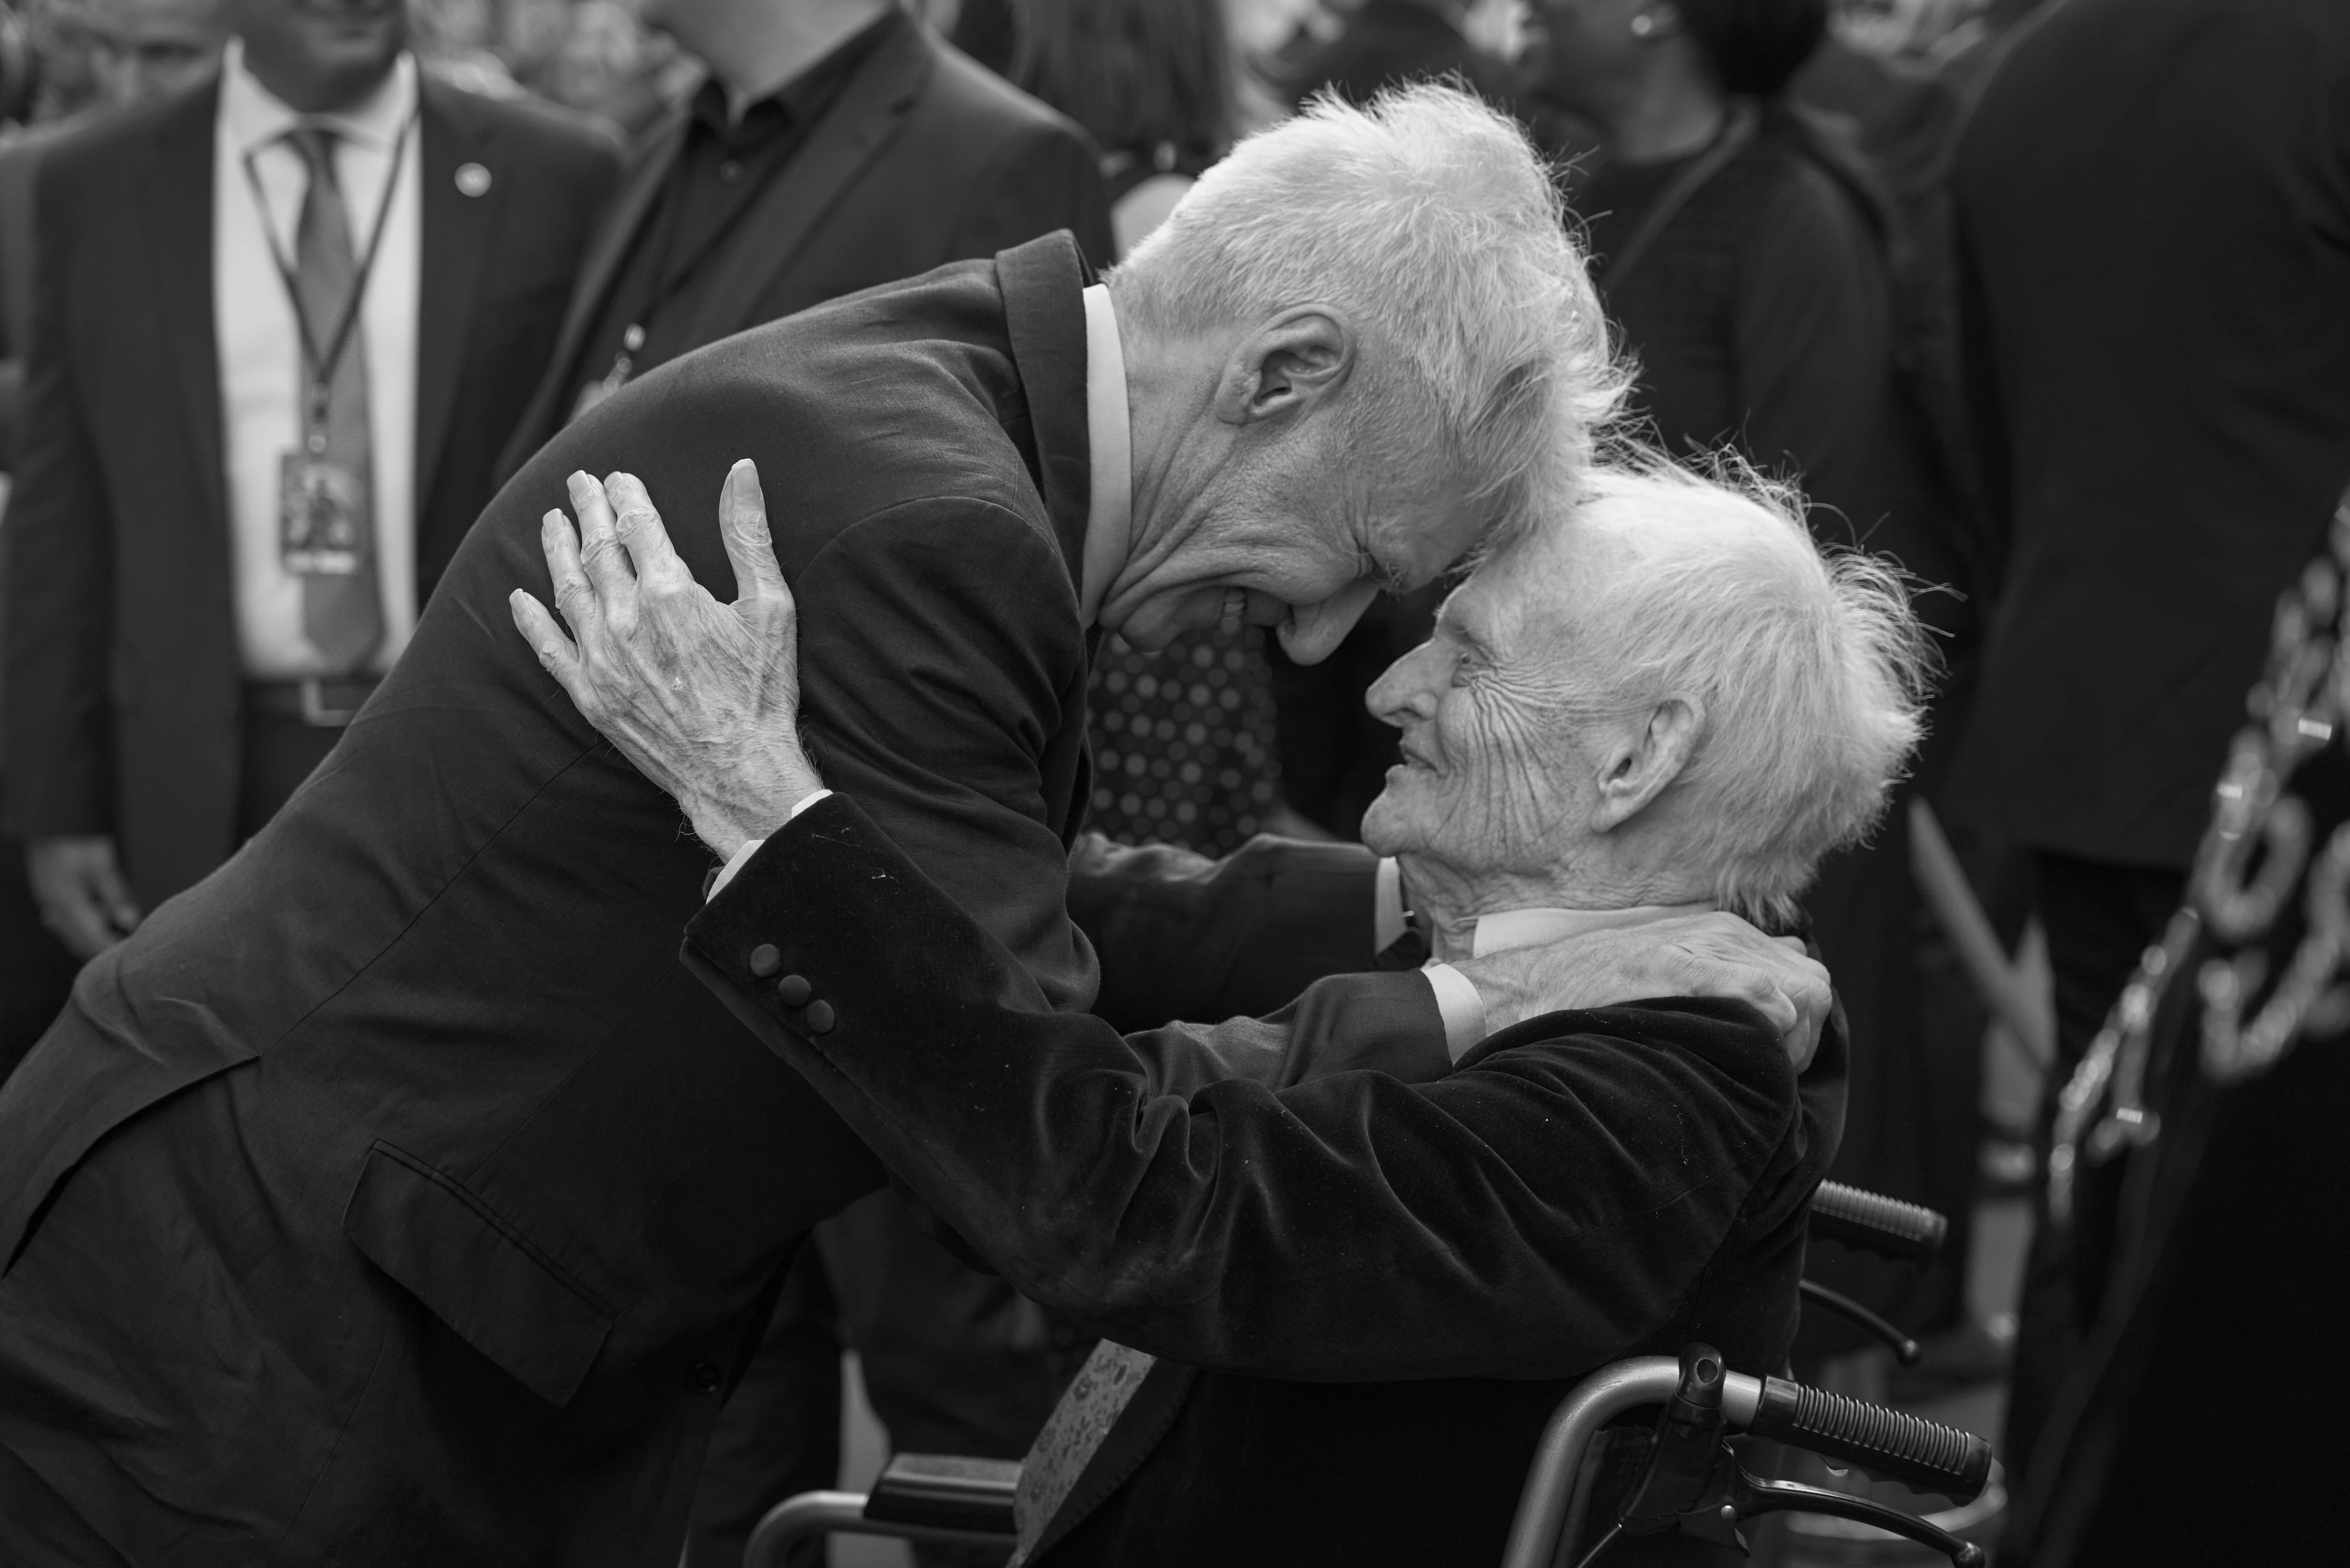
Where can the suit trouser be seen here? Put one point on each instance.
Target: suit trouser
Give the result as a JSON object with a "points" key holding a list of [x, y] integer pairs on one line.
{"points": [[2099, 920], [954, 1361]]}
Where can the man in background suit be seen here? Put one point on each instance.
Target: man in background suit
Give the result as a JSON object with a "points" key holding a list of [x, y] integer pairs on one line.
{"points": [[2163, 410], [141, 49], [284, 322], [834, 146]]}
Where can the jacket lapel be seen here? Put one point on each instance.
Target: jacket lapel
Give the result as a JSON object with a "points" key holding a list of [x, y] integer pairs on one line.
{"points": [[1044, 315], [869, 110], [455, 229], [178, 214], [1146, 1418]]}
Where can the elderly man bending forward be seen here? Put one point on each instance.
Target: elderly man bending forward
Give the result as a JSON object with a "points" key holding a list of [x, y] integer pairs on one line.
{"points": [[1368, 1294]]}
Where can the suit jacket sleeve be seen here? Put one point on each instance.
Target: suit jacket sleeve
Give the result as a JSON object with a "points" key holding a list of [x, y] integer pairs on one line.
{"points": [[1546, 1208], [59, 574], [1182, 936], [1049, 178]]}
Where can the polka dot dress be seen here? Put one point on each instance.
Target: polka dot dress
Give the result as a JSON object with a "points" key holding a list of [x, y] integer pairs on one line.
{"points": [[1183, 740]]}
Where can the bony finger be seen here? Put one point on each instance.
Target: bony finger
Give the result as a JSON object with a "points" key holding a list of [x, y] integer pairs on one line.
{"points": [[750, 542], [538, 628]]}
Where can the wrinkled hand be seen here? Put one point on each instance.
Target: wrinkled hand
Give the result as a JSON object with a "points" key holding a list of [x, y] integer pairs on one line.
{"points": [[81, 891], [703, 698], [1714, 955]]}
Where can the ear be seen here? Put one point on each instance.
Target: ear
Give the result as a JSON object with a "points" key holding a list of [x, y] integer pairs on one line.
{"points": [[1643, 759], [1294, 361]]}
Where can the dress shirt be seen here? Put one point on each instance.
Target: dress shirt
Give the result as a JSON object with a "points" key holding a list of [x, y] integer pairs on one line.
{"points": [[724, 166], [261, 353], [1456, 998]]}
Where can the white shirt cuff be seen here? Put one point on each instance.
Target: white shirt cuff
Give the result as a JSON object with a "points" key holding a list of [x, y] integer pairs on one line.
{"points": [[1388, 922], [1462, 1009], [742, 856]]}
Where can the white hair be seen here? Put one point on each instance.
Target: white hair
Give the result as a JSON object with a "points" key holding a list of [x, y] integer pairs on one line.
{"points": [[1807, 664], [1431, 221]]}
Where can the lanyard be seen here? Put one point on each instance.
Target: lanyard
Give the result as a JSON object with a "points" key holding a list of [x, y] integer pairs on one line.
{"points": [[321, 367]]}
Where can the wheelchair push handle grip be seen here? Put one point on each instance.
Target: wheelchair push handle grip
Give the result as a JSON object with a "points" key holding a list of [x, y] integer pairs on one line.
{"points": [[1907, 1448], [1884, 1225]]}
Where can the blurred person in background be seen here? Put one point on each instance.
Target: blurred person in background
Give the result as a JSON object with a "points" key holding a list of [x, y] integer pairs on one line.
{"points": [[607, 63], [139, 49], [1379, 44], [1747, 259], [1184, 738], [835, 145], [2162, 399], [282, 318]]}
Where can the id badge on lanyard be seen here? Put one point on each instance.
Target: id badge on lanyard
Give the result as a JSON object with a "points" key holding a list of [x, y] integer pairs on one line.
{"points": [[319, 507]]}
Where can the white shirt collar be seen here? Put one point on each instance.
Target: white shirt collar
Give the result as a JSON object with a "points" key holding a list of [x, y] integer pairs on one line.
{"points": [[1110, 512], [255, 116], [1508, 929]]}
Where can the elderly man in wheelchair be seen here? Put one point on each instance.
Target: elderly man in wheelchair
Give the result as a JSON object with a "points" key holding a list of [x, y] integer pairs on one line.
{"points": [[1338, 1314]]}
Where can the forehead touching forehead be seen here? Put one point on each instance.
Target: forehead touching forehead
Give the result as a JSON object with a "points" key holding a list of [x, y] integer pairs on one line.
{"points": [[1537, 596]]}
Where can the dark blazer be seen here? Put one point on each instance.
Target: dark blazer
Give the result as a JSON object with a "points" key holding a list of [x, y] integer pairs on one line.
{"points": [[924, 158], [123, 671], [398, 1168], [1380, 1288], [2163, 399]]}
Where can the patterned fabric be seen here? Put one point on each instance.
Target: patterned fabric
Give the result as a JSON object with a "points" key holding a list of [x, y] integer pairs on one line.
{"points": [[342, 612], [1183, 742], [1072, 1434]]}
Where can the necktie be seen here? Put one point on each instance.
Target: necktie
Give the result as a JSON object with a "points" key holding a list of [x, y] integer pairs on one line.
{"points": [[1072, 1434], [342, 612]]}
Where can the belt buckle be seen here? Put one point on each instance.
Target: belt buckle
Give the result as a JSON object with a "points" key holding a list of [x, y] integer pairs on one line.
{"points": [[314, 710]]}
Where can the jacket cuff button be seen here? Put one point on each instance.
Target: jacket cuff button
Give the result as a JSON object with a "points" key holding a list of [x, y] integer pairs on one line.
{"points": [[819, 1018], [793, 991], [765, 960]]}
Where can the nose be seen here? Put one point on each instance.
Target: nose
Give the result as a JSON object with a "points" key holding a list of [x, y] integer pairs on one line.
{"points": [[1408, 690]]}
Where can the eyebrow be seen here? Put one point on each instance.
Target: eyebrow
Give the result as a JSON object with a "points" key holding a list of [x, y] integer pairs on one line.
{"points": [[1448, 621]]}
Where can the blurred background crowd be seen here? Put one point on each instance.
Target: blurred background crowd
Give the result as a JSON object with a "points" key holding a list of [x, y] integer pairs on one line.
{"points": [[1930, 258]]}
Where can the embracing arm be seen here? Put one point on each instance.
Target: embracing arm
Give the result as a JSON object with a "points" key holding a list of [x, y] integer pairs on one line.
{"points": [[1548, 1206]]}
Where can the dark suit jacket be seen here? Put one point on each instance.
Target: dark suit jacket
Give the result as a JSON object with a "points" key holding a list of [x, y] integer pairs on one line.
{"points": [[123, 671], [924, 158], [435, 1199], [1587, 1186], [19, 156], [2154, 213]]}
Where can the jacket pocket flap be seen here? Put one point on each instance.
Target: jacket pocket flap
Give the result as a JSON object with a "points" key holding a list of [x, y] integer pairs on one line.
{"points": [[476, 1273]]}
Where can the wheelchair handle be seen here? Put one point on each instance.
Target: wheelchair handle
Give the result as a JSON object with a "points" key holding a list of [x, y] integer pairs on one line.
{"points": [[1884, 1225], [1900, 1447], [1921, 1453]]}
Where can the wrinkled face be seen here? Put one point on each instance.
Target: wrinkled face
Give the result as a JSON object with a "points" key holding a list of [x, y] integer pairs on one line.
{"points": [[1495, 776], [1310, 530]]}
